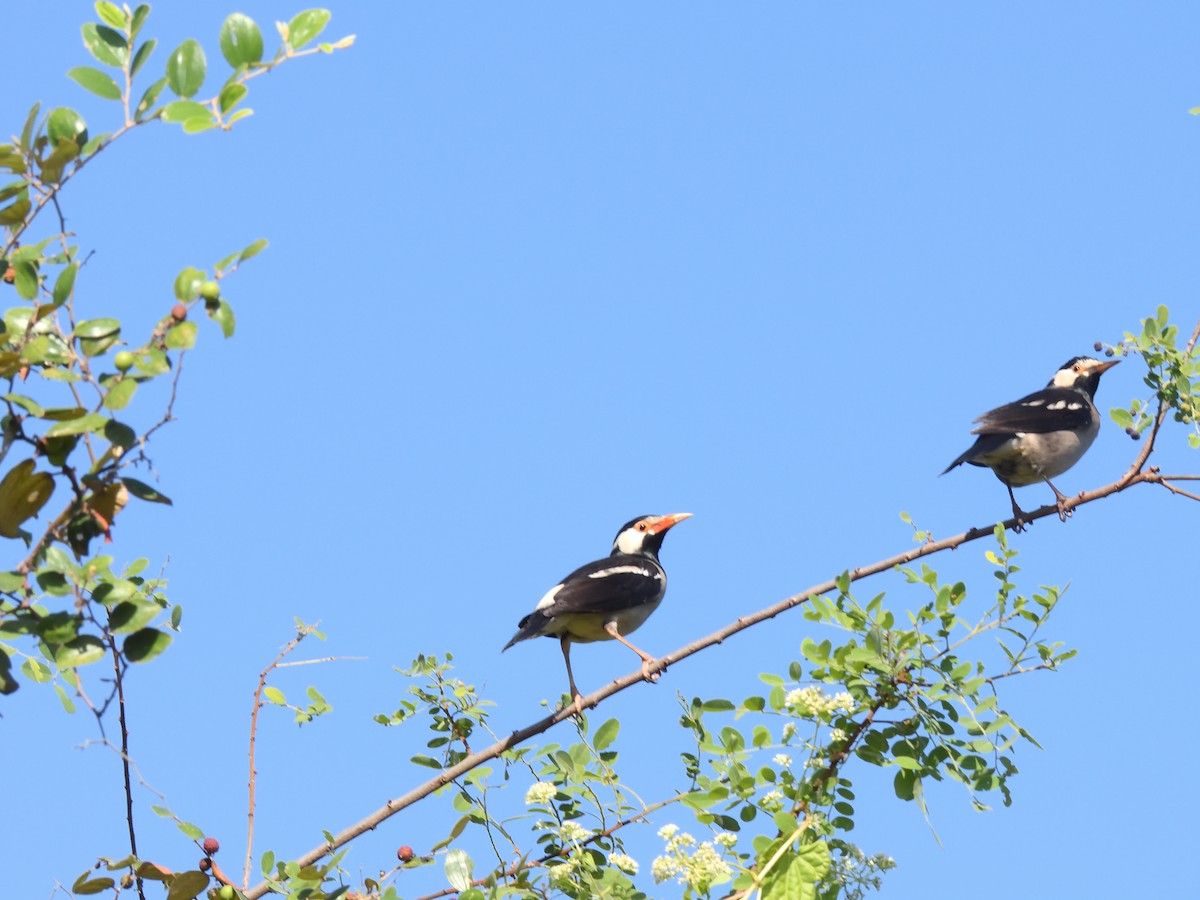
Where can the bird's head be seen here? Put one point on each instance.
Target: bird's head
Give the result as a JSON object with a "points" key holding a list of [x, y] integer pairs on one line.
{"points": [[1082, 373], [644, 535]]}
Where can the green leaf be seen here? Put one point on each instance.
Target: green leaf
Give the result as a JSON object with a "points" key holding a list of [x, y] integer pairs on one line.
{"points": [[241, 41], [222, 314], [189, 280], [143, 491], [120, 394], [274, 695], [149, 98], [606, 734], [139, 17], [106, 44], [95, 81], [305, 26], [23, 492], [80, 425], [64, 124], [112, 14], [132, 615], [80, 651], [230, 96], [85, 885], [180, 111], [717, 706], [197, 124], [268, 863], [30, 405], [65, 283], [141, 55], [15, 213], [181, 337], [459, 869], [144, 645], [427, 762], [253, 250], [186, 69], [187, 885], [97, 335]]}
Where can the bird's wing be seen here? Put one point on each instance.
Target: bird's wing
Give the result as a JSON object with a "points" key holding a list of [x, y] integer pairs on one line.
{"points": [[607, 585], [1050, 409]]}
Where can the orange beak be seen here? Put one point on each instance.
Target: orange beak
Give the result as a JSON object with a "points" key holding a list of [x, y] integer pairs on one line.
{"points": [[667, 522]]}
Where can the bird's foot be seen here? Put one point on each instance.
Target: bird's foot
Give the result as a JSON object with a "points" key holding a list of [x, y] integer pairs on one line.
{"points": [[1063, 512], [577, 703], [647, 663]]}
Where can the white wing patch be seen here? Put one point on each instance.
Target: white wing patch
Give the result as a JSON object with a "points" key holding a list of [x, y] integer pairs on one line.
{"points": [[548, 600], [1057, 404], [1074, 405], [622, 570], [1033, 403]]}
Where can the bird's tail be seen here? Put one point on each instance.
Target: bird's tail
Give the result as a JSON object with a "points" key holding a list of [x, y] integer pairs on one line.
{"points": [[528, 627]]}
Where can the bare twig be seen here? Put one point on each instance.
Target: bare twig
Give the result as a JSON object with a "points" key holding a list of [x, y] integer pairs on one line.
{"points": [[119, 677]]}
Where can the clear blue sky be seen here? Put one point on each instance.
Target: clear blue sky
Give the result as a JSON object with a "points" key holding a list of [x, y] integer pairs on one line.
{"points": [[537, 269]]}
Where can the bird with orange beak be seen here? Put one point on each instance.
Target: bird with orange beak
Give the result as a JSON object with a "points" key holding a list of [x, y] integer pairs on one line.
{"points": [[606, 599]]}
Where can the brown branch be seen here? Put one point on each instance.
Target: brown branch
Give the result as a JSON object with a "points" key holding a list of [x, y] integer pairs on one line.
{"points": [[391, 807], [291, 645], [124, 724]]}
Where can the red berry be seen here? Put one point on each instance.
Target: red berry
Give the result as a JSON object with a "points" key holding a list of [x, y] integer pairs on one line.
{"points": [[211, 846], [205, 864], [405, 853], [179, 312]]}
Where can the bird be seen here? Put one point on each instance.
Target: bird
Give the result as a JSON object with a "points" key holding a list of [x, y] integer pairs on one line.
{"points": [[607, 599], [1041, 435]]}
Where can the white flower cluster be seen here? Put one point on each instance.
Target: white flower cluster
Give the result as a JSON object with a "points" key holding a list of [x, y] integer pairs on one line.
{"points": [[813, 701], [782, 759], [540, 793], [699, 869], [573, 832], [626, 864]]}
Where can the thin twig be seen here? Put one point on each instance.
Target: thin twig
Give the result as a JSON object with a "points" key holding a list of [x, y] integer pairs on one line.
{"points": [[119, 677]]}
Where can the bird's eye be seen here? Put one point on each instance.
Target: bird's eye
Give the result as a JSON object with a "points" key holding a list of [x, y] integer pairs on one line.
{"points": [[642, 526]]}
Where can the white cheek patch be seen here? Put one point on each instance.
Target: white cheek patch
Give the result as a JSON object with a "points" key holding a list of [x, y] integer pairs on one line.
{"points": [[622, 570], [630, 542], [548, 600]]}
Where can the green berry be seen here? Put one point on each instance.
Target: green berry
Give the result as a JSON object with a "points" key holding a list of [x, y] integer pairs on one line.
{"points": [[123, 361], [210, 290]]}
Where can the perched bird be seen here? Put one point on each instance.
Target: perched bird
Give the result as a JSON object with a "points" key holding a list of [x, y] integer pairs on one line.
{"points": [[606, 599], [1040, 436]]}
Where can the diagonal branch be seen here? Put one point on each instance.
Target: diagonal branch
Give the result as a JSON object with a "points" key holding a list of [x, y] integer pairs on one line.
{"points": [[393, 806]]}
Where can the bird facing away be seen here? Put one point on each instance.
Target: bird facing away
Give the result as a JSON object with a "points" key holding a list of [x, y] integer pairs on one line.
{"points": [[1042, 435], [606, 599]]}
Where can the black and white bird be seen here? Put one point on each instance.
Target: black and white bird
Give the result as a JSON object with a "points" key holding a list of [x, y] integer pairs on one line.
{"points": [[606, 599], [1042, 435]]}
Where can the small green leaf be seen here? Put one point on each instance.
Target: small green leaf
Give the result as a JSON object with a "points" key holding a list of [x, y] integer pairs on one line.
{"points": [[274, 695], [112, 14], [95, 81], [30, 405], [65, 283], [197, 124], [241, 41], [64, 124], [144, 645], [80, 651], [95, 329], [180, 111], [188, 281], [253, 250], [606, 734], [459, 869], [222, 314], [427, 762], [187, 885], [181, 337], [141, 55], [143, 491], [85, 885], [230, 96], [149, 98], [186, 69], [120, 394], [305, 26], [106, 44], [80, 425]]}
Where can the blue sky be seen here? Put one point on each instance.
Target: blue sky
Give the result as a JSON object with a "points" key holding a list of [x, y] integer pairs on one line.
{"points": [[537, 269]]}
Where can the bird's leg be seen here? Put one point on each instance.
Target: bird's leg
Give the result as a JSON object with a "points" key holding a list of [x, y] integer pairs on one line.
{"points": [[647, 659], [1060, 501], [576, 697], [1017, 511]]}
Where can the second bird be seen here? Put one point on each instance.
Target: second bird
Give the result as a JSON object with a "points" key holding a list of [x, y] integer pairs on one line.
{"points": [[606, 599], [1042, 435]]}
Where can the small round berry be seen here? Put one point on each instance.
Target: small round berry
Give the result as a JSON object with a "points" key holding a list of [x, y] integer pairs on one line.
{"points": [[205, 864], [227, 892], [123, 361], [405, 853], [210, 290], [1109, 352], [1097, 346], [126, 880], [211, 846], [179, 312]]}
